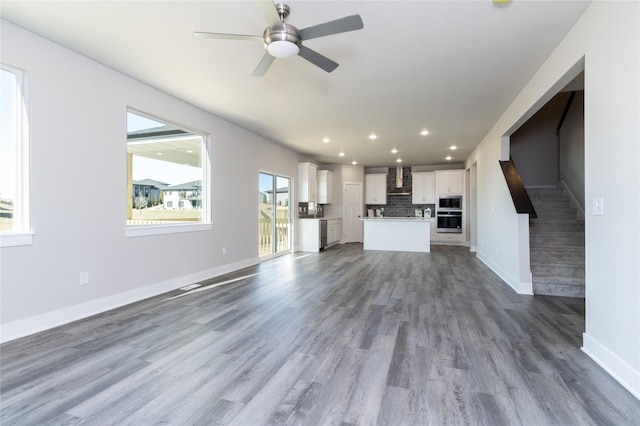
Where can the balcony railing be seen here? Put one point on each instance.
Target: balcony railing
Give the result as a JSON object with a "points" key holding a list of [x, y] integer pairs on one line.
{"points": [[282, 234]]}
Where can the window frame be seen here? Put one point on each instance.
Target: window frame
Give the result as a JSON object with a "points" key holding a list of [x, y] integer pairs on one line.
{"points": [[21, 233], [206, 222]]}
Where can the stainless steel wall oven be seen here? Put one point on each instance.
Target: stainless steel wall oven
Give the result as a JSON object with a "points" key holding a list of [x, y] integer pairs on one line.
{"points": [[449, 221]]}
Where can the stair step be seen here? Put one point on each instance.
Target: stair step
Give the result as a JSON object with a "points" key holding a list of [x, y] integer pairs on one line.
{"points": [[545, 192], [559, 290], [556, 227], [555, 240], [568, 217], [570, 256], [555, 205]]}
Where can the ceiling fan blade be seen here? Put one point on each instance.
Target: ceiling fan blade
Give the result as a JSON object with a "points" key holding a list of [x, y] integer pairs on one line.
{"points": [[263, 66], [269, 12], [317, 59], [202, 34], [342, 25]]}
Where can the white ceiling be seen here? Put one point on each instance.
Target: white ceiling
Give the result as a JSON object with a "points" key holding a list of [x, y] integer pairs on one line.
{"points": [[451, 67]]}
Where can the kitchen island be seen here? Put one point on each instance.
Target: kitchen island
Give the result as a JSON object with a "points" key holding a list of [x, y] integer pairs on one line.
{"points": [[397, 234]]}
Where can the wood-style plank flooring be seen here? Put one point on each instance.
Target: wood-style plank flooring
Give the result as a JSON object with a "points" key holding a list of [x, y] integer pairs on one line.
{"points": [[336, 338]]}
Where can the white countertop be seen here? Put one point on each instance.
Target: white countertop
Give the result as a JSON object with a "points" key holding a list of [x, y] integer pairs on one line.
{"points": [[399, 219]]}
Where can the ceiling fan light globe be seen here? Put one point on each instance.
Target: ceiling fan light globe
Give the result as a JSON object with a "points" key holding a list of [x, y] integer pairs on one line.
{"points": [[282, 49]]}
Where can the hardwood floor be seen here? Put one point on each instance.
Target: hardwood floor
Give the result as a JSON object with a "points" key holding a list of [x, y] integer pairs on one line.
{"points": [[340, 337]]}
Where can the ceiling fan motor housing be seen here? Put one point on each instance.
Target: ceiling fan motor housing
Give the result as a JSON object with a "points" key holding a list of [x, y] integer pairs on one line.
{"points": [[283, 37], [283, 10]]}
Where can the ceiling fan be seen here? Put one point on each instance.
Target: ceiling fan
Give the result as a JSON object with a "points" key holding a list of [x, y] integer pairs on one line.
{"points": [[282, 40]]}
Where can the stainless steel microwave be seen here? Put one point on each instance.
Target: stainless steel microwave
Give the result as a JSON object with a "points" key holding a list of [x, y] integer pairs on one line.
{"points": [[450, 202]]}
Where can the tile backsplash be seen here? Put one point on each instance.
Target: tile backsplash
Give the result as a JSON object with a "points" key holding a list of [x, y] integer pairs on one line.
{"points": [[400, 206], [303, 211]]}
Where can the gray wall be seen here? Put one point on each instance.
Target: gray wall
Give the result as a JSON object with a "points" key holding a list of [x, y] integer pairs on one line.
{"points": [[77, 124], [534, 146], [572, 149]]}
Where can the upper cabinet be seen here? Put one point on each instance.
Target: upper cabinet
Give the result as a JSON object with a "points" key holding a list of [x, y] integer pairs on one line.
{"points": [[449, 181], [307, 183], [375, 188], [423, 188], [325, 187]]}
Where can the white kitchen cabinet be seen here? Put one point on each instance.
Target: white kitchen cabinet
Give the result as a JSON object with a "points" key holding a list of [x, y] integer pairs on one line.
{"points": [[309, 235], [423, 188], [375, 188], [309, 238], [307, 183], [334, 231], [449, 181], [325, 187], [433, 226]]}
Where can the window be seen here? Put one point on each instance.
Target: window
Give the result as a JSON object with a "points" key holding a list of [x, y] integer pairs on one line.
{"points": [[14, 188], [166, 167], [274, 215]]}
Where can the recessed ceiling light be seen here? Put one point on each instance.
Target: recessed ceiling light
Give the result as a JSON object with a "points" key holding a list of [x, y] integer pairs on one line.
{"points": [[326, 140], [354, 162], [424, 132], [159, 153], [341, 154], [394, 151], [448, 157], [373, 136], [399, 160], [453, 147], [190, 151]]}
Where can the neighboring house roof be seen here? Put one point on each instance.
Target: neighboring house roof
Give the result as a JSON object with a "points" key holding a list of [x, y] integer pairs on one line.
{"points": [[279, 190], [151, 182], [196, 184]]}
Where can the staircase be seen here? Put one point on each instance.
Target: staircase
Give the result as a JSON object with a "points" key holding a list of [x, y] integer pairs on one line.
{"points": [[557, 245]]}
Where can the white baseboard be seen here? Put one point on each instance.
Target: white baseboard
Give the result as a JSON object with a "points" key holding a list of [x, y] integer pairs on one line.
{"points": [[624, 373], [519, 287], [48, 320]]}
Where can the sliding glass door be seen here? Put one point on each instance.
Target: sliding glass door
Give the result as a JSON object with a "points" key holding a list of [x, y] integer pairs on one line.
{"points": [[274, 214]]}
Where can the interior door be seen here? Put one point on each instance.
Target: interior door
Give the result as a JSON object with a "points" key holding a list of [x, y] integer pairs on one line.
{"points": [[352, 221]]}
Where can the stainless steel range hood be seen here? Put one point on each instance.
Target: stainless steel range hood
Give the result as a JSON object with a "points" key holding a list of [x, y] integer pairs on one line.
{"points": [[399, 189]]}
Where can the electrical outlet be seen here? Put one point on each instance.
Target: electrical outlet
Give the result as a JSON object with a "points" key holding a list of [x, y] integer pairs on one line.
{"points": [[84, 278], [224, 250], [598, 207]]}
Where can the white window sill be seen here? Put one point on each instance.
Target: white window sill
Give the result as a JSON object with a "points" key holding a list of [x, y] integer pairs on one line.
{"points": [[145, 230], [13, 240]]}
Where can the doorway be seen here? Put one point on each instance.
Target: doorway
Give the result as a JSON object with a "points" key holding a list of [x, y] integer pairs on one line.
{"points": [[274, 215], [353, 207]]}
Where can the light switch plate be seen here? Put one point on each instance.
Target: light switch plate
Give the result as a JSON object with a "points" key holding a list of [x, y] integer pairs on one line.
{"points": [[598, 206]]}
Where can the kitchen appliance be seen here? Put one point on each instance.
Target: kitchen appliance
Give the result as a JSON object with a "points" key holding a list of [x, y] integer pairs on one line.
{"points": [[450, 202], [399, 189], [418, 213], [323, 234], [449, 221], [427, 212]]}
